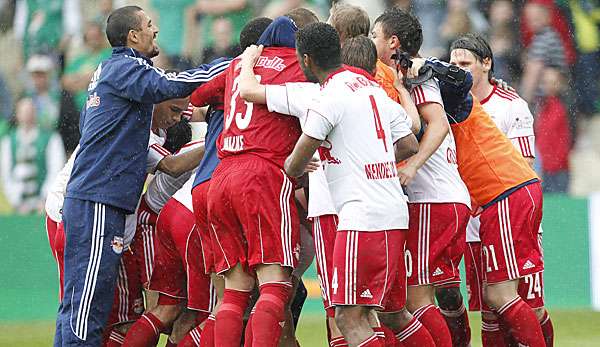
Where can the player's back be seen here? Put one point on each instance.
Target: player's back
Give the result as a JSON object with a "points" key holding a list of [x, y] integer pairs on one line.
{"points": [[250, 128], [360, 166]]}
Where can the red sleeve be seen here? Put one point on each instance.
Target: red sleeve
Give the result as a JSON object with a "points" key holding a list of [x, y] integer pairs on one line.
{"points": [[211, 92]]}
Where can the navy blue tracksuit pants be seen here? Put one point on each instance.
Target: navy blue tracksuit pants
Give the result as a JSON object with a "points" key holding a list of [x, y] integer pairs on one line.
{"points": [[93, 248]]}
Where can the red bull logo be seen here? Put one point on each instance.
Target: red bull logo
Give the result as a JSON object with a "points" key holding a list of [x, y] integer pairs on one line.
{"points": [[325, 153]]}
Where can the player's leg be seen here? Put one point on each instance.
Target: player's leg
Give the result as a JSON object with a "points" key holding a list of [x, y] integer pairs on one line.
{"points": [[510, 250], [94, 243], [147, 240], [449, 298], [531, 290], [396, 320], [435, 230], [324, 231], [230, 251], [168, 277]]}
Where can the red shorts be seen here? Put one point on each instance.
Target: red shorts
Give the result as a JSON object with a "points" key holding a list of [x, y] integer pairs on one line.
{"points": [[253, 215], [179, 271], [128, 304], [435, 242], [145, 240], [324, 232], [531, 287], [199, 201], [369, 270], [509, 235], [56, 238]]}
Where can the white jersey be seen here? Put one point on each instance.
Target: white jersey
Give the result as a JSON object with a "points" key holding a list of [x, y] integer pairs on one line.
{"points": [[303, 95], [163, 186], [512, 116], [360, 124], [438, 180], [58, 189], [156, 151], [184, 194]]}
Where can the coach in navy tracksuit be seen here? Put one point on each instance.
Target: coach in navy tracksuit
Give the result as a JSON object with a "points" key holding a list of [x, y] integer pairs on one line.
{"points": [[109, 169]]}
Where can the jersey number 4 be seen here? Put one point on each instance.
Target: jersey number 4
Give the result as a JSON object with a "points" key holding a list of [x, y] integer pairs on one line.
{"points": [[242, 120], [378, 127]]}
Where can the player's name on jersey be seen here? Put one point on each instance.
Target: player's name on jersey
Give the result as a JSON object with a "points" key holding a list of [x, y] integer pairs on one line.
{"points": [[380, 171], [233, 143]]}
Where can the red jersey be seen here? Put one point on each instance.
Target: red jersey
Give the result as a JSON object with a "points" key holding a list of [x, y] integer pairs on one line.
{"points": [[251, 128]]}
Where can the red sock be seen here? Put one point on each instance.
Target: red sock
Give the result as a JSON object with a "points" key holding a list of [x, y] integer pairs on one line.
{"points": [[207, 338], [415, 335], [547, 329], [144, 332], [229, 321], [458, 325], [523, 323], [435, 323], [373, 341], [387, 335], [192, 339], [248, 332], [270, 313], [338, 342], [114, 339], [170, 343], [491, 335]]}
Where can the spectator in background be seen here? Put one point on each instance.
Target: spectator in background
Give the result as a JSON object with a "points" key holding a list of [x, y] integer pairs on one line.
{"points": [[503, 40], [6, 105], [30, 157], [46, 26], [585, 15], [44, 91], [223, 45], [546, 49], [175, 29], [79, 70], [238, 12], [462, 17], [552, 133]]}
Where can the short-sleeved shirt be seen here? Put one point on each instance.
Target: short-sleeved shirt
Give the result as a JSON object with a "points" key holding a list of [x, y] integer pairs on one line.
{"points": [[156, 151], [250, 128], [295, 99], [438, 180], [360, 125], [512, 116]]}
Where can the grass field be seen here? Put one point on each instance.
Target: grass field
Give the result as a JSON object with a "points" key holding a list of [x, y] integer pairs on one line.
{"points": [[572, 328]]}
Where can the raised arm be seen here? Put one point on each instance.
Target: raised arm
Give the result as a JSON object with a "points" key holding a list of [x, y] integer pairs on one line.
{"points": [[137, 80], [250, 88]]}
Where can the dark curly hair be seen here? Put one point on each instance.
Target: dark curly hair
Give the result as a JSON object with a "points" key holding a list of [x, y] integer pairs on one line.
{"points": [[321, 43], [403, 25]]}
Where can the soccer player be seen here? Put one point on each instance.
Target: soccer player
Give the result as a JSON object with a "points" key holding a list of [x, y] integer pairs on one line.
{"points": [[508, 198], [108, 171], [512, 116], [358, 52], [438, 199], [363, 182], [250, 237]]}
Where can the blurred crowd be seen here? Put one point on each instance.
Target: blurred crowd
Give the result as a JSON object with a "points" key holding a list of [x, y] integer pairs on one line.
{"points": [[549, 51]]}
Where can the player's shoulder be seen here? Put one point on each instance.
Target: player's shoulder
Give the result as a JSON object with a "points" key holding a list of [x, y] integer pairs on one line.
{"points": [[506, 96]]}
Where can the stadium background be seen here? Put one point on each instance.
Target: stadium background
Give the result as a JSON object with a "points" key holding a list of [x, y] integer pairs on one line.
{"points": [[28, 279]]}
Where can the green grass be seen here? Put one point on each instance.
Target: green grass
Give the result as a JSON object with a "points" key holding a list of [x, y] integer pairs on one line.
{"points": [[572, 328]]}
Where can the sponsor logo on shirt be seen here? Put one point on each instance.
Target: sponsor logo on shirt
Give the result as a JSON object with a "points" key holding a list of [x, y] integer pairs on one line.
{"points": [[325, 153], [274, 63], [92, 101]]}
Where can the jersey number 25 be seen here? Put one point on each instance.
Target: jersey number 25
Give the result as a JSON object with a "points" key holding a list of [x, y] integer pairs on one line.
{"points": [[241, 120]]}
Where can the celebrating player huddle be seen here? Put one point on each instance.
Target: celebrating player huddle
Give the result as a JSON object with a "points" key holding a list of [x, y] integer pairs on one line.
{"points": [[390, 169]]}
